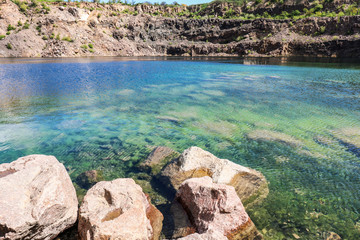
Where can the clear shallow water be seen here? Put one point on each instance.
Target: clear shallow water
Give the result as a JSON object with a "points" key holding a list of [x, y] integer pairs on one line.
{"points": [[105, 114]]}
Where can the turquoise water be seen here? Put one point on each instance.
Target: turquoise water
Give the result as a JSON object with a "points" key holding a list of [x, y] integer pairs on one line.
{"points": [[297, 123]]}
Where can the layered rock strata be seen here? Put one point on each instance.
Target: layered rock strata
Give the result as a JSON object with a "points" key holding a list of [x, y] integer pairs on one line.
{"points": [[89, 29]]}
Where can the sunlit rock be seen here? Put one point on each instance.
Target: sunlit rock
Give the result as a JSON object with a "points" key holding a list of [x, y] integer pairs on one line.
{"points": [[250, 185], [215, 209], [118, 210], [37, 198]]}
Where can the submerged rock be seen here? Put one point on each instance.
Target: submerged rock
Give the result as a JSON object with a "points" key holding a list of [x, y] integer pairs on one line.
{"points": [[89, 178], [158, 158], [331, 236], [215, 209], [168, 119], [350, 138], [118, 210], [250, 185], [271, 136], [37, 198]]}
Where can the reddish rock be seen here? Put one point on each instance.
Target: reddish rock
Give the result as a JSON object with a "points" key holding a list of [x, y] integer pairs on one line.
{"points": [[217, 208]]}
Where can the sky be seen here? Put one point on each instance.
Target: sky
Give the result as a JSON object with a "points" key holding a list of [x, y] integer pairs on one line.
{"points": [[187, 2]]}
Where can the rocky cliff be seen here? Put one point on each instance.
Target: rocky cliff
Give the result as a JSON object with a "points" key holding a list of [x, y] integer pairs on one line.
{"points": [[34, 29]]}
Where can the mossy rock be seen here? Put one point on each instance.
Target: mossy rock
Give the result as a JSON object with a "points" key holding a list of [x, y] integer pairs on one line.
{"points": [[157, 159], [89, 178]]}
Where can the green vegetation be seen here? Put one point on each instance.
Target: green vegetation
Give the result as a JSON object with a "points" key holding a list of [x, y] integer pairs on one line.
{"points": [[91, 46], [322, 29], [45, 8], [9, 46], [68, 39], [24, 6], [2, 37], [26, 25], [248, 9], [11, 27]]}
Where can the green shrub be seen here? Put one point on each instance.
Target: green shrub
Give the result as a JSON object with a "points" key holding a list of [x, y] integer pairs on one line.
{"points": [[84, 46], [26, 25], [19, 23], [33, 3], [91, 46], [9, 46], [68, 39], [58, 36], [2, 37], [45, 37], [318, 7], [296, 13], [10, 27], [8, 33], [239, 38], [322, 29], [46, 8], [23, 7]]}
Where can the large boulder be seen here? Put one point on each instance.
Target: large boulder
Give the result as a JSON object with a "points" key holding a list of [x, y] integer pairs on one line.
{"points": [[215, 208], [37, 198], [250, 185], [118, 210]]}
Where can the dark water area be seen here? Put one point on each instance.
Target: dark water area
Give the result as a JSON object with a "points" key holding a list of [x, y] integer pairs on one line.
{"points": [[297, 120]]}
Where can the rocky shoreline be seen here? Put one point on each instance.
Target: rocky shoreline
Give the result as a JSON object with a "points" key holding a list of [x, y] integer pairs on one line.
{"points": [[91, 29], [38, 200]]}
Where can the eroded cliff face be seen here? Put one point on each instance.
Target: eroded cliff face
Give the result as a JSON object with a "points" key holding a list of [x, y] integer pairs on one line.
{"points": [[90, 29]]}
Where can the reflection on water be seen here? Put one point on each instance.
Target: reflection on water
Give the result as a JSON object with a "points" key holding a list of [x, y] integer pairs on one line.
{"points": [[298, 124]]}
